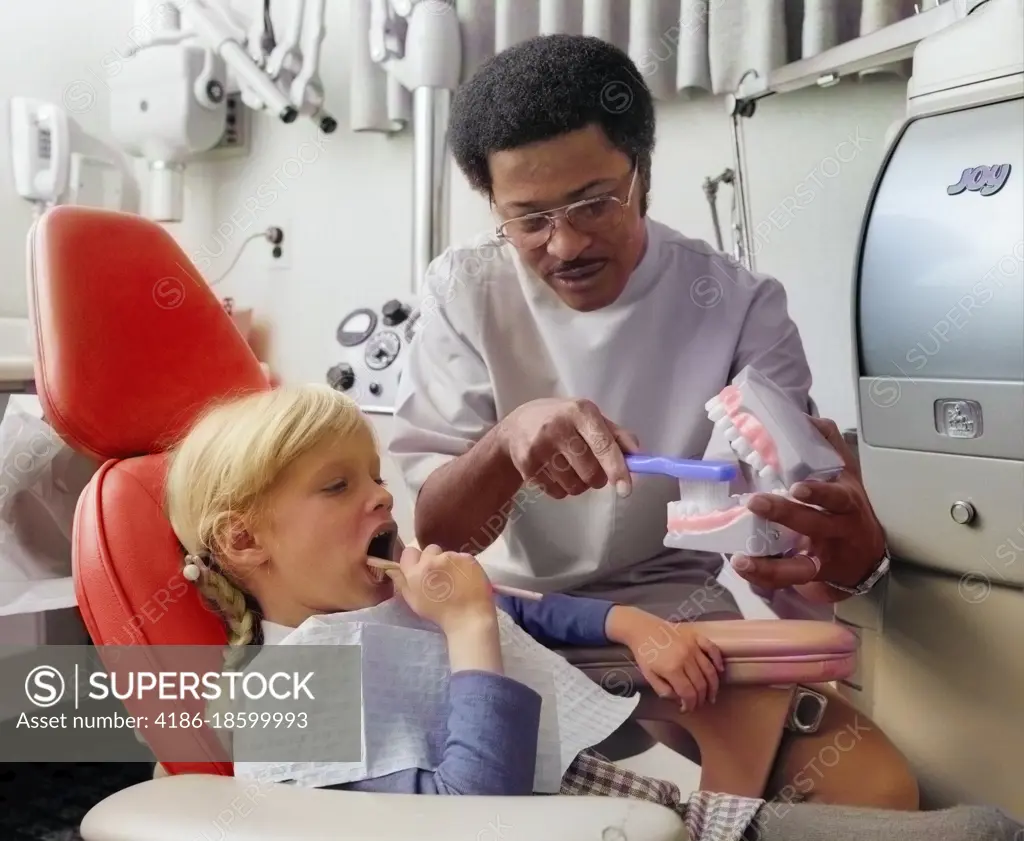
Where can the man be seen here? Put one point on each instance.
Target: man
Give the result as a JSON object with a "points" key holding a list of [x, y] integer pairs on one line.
{"points": [[590, 331]]}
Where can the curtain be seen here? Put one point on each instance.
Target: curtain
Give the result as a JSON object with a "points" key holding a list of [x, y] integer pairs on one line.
{"points": [[683, 48]]}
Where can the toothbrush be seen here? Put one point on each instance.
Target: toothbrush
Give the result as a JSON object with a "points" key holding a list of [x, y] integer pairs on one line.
{"points": [[692, 470], [515, 592], [707, 482]]}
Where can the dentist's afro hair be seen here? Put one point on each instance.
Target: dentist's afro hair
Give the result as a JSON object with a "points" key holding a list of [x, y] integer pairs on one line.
{"points": [[545, 87]]}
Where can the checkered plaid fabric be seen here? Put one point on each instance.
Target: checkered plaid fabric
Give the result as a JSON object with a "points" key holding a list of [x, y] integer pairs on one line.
{"points": [[708, 816]]}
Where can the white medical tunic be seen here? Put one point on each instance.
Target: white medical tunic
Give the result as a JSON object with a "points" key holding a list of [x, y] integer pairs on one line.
{"points": [[493, 336]]}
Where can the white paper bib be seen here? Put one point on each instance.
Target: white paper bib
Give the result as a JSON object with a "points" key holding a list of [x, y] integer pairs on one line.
{"points": [[404, 710]]}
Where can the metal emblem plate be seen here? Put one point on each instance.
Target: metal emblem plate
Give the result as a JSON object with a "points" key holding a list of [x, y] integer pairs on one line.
{"points": [[986, 180], [958, 418]]}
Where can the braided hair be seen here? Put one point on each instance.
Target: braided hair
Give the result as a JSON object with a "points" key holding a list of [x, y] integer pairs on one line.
{"points": [[240, 614]]}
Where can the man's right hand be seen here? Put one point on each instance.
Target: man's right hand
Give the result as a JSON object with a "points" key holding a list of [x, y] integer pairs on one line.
{"points": [[567, 447]]}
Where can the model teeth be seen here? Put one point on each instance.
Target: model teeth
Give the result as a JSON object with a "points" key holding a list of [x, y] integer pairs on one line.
{"points": [[743, 449], [693, 508], [741, 446], [690, 507]]}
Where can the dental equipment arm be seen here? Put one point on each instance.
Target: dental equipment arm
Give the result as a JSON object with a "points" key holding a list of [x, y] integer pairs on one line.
{"points": [[711, 194], [281, 77], [419, 43], [168, 102]]}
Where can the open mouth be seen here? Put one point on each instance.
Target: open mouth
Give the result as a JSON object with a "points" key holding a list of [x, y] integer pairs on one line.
{"points": [[381, 546]]}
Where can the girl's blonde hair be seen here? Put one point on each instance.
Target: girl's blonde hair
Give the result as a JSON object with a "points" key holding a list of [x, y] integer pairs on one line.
{"points": [[220, 474]]}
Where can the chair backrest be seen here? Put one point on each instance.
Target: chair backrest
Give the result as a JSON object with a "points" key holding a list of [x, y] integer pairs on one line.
{"points": [[130, 344]]}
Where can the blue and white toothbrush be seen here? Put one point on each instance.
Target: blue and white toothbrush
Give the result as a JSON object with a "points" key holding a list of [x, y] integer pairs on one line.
{"points": [[706, 482]]}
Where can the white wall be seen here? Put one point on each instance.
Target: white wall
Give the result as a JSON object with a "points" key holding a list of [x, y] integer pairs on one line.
{"points": [[66, 39], [68, 52], [344, 200]]}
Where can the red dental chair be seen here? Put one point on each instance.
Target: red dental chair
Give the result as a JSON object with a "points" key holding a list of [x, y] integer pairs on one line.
{"points": [[130, 344]]}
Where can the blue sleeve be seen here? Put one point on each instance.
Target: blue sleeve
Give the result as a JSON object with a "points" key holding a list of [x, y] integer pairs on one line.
{"points": [[558, 619], [493, 725]]}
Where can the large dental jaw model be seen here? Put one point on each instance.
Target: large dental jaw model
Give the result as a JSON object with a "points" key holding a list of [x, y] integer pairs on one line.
{"points": [[761, 443]]}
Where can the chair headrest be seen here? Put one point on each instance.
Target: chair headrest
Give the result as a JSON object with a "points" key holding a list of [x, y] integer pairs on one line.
{"points": [[130, 343], [133, 598]]}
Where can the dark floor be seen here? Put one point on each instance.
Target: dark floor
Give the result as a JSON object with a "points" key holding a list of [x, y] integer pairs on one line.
{"points": [[47, 802]]}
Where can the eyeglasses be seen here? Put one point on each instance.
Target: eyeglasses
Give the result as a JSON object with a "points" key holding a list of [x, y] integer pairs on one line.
{"points": [[588, 216]]}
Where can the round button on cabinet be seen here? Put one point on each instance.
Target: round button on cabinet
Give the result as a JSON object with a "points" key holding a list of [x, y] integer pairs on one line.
{"points": [[962, 512]]}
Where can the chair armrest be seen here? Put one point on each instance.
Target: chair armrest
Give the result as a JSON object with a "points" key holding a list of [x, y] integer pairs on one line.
{"points": [[756, 652], [189, 805]]}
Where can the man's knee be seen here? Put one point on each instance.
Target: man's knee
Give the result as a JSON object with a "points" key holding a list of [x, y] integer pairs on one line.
{"points": [[849, 761], [889, 781], [892, 784]]}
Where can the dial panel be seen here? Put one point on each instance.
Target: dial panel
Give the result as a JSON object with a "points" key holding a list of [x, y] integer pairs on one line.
{"points": [[373, 347]]}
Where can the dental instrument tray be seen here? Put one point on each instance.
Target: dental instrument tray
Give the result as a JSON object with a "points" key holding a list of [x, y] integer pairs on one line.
{"points": [[760, 443]]}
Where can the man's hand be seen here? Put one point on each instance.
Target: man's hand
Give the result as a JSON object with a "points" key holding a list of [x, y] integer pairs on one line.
{"points": [[568, 447], [843, 542], [674, 657]]}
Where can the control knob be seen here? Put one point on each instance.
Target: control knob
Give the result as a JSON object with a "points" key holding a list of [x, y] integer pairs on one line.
{"points": [[341, 377], [962, 513], [395, 312]]}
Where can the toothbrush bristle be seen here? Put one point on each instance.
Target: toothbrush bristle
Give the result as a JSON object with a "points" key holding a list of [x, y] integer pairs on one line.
{"points": [[705, 494]]}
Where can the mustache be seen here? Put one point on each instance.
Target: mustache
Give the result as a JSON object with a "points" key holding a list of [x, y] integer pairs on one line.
{"points": [[577, 264]]}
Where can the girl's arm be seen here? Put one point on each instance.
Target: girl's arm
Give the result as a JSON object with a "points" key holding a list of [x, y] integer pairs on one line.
{"points": [[558, 619], [491, 747], [493, 722]]}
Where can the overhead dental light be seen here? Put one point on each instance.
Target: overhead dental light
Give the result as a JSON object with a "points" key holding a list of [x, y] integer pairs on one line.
{"points": [[168, 102], [419, 43]]}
